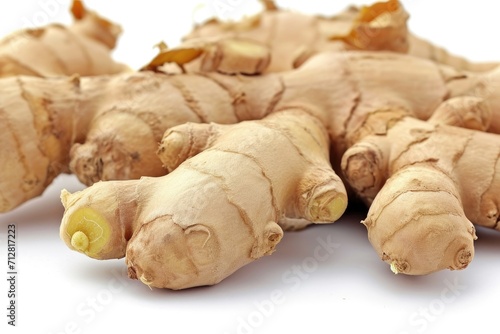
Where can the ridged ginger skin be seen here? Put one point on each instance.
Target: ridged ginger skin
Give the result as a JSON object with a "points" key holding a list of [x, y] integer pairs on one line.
{"points": [[108, 128], [200, 223], [426, 184]]}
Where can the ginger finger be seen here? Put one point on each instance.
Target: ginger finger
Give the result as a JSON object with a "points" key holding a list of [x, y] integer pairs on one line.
{"points": [[109, 127], [153, 103], [185, 141], [229, 56], [316, 203], [211, 221], [416, 223], [465, 112], [83, 48], [449, 176]]}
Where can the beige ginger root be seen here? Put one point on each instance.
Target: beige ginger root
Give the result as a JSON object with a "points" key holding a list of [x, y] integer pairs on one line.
{"points": [[99, 145], [85, 125], [203, 221], [426, 183], [109, 127], [370, 95], [280, 40], [55, 50]]}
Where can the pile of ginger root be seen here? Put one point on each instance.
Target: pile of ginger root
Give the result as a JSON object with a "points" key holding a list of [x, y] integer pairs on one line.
{"points": [[198, 162]]}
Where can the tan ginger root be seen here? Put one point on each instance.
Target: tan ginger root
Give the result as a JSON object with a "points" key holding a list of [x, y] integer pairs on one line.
{"points": [[109, 127], [82, 48], [279, 40], [57, 113], [370, 95], [425, 182], [103, 146], [94, 124], [203, 221]]}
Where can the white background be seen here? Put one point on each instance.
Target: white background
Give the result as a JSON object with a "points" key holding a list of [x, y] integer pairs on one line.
{"points": [[348, 291]]}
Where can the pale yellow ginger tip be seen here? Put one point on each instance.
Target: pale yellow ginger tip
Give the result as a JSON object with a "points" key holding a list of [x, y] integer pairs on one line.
{"points": [[88, 231], [147, 281], [80, 241], [337, 207], [330, 211], [394, 268]]}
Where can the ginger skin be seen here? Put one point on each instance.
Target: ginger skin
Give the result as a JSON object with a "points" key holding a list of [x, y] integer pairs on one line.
{"points": [[55, 50]]}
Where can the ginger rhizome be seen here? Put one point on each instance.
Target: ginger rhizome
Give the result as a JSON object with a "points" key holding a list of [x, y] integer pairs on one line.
{"points": [[280, 40], [55, 50], [233, 188], [109, 127], [101, 146], [357, 98], [210, 222]]}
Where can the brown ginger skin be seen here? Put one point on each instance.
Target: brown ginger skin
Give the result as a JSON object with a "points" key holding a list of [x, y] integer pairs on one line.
{"points": [[55, 50]]}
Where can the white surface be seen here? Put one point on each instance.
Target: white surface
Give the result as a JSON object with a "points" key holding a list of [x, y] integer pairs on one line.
{"points": [[347, 291]]}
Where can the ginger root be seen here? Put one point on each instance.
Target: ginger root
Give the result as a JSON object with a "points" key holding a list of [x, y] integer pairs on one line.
{"points": [[105, 128], [419, 179], [91, 126], [270, 42], [200, 223], [98, 143], [233, 188], [55, 50], [357, 98]]}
